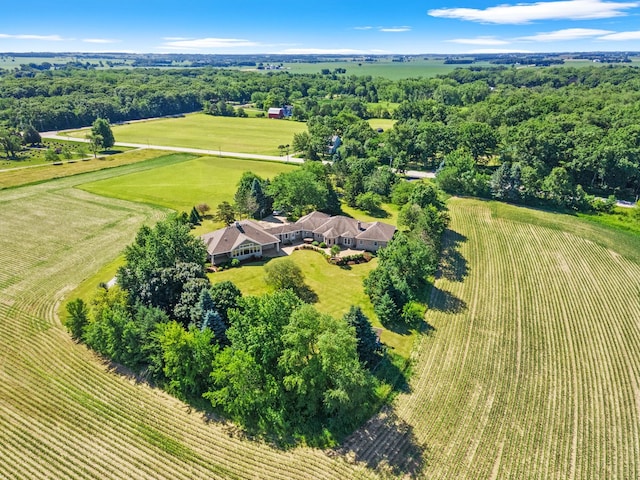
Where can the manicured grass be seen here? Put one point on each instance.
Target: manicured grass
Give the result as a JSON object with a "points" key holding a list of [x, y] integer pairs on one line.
{"points": [[383, 123], [43, 173], [337, 289], [388, 214], [246, 135], [205, 179]]}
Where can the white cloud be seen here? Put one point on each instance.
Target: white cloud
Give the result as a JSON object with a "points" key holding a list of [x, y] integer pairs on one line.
{"points": [[100, 40], [395, 29], [622, 36], [175, 39], [323, 51], [204, 43], [565, 35], [479, 41], [530, 12], [49, 38], [366, 27]]}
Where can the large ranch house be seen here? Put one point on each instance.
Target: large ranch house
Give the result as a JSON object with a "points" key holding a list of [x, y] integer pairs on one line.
{"points": [[248, 239]]}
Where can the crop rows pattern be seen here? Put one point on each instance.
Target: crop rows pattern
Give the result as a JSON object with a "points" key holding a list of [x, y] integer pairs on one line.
{"points": [[533, 365]]}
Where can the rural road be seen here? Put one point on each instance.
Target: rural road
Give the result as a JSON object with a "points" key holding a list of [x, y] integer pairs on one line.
{"points": [[220, 153]]}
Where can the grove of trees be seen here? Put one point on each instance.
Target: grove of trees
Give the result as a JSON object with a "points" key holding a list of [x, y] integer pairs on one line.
{"points": [[271, 363]]}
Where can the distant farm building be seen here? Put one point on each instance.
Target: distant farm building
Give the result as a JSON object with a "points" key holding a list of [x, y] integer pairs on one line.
{"points": [[275, 112]]}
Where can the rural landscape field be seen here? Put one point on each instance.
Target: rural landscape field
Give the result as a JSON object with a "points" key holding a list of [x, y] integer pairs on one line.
{"points": [[533, 377], [337, 241]]}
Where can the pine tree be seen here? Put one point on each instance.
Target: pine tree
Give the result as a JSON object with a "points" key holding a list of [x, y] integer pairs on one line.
{"points": [[194, 217], [368, 345], [213, 321]]}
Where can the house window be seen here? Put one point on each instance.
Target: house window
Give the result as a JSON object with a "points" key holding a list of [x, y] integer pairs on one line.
{"points": [[245, 250], [375, 244], [347, 241], [361, 242]]}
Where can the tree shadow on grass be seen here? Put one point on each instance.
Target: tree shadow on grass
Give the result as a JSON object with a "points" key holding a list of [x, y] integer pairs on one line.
{"points": [[453, 266], [306, 294], [379, 213], [444, 301], [387, 444]]}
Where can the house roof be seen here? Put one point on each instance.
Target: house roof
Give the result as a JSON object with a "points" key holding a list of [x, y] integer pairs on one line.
{"points": [[226, 239], [283, 228], [312, 221], [275, 110], [378, 231], [341, 226]]}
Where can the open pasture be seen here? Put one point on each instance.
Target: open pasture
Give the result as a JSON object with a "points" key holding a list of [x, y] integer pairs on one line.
{"points": [[231, 134], [416, 67], [180, 187]]}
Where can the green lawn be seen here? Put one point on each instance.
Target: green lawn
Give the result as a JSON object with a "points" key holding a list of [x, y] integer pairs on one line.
{"points": [[384, 123], [205, 179], [231, 134], [337, 289], [389, 214]]}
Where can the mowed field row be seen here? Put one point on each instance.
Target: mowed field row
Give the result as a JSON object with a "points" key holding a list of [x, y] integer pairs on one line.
{"points": [[64, 413], [532, 369]]}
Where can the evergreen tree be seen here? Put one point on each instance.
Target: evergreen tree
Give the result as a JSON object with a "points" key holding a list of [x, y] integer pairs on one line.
{"points": [[194, 217], [368, 346]]}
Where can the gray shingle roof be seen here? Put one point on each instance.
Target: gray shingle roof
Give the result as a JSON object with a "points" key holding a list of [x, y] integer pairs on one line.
{"points": [[226, 239], [378, 231]]}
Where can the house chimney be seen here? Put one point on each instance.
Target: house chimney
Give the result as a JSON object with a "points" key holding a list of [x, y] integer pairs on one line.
{"points": [[359, 225]]}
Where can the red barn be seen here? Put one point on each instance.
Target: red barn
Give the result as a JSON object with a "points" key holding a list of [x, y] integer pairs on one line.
{"points": [[276, 113]]}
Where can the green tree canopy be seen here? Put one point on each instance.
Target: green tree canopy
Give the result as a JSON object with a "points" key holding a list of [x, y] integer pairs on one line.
{"points": [[101, 127]]}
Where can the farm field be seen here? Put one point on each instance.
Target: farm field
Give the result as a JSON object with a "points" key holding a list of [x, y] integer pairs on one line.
{"points": [[182, 186], [231, 134], [383, 68], [532, 368], [530, 372], [67, 413], [40, 173]]}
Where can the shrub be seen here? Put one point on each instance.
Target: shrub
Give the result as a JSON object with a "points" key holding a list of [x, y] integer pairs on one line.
{"points": [[322, 245], [235, 262], [315, 243]]}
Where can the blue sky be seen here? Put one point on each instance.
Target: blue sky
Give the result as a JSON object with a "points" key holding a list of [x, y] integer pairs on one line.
{"points": [[328, 26]]}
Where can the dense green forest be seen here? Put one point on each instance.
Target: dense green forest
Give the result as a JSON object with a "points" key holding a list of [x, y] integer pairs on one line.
{"points": [[549, 130]]}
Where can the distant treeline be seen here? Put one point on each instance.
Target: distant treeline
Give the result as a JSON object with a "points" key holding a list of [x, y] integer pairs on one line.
{"points": [[584, 120]]}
